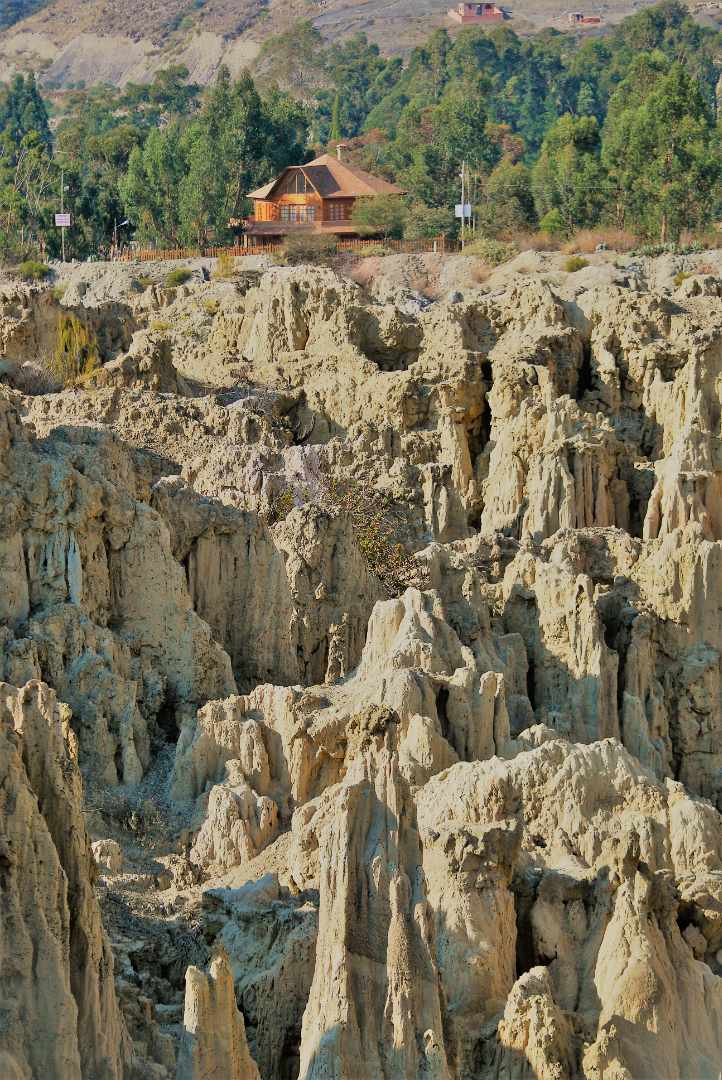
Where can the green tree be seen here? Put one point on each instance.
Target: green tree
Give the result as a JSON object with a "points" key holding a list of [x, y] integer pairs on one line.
{"points": [[568, 176], [379, 215], [427, 222], [507, 203], [150, 187], [28, 178], [186, 181], [13, 11], [663, 154], [23, 111], [334, 134]]}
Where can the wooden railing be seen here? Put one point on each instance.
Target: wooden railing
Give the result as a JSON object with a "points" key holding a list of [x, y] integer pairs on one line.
{"points": [[405, 247]]}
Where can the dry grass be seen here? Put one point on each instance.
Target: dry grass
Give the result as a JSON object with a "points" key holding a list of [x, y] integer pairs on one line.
{"points": [[535, 241], [710, 240], [587, 241], [364, 271], [480, 273], [225, 268], [426, 285]]}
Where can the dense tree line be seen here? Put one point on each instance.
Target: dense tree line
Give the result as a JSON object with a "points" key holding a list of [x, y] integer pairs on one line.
{"points": [[621, 130]]}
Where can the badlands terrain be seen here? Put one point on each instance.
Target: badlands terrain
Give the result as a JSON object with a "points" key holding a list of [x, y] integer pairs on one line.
{"points": [[360, 645]]}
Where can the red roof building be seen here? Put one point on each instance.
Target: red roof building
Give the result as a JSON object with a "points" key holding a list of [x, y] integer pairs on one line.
{"points": [[318, 197], [580, 20], [466, 13]]}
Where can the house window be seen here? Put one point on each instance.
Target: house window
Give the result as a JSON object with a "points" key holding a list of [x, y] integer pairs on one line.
{"points": [[296, 184], [298, 215], [336, 211]]}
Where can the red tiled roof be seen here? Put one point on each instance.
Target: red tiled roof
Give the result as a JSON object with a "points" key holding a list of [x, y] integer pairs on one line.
{"points": [[334, 179]]}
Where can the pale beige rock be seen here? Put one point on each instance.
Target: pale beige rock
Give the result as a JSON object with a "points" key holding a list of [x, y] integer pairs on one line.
{"points": [[148, 364], [79, 553], [535, 1038], [375, 993], [601, 911], [238, 823], [213, 1044], [57, 988], [272, 971], [408, 863], [108, 854]]}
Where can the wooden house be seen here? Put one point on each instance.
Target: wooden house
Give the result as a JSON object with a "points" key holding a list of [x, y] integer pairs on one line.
{"points": [[318, 197]]}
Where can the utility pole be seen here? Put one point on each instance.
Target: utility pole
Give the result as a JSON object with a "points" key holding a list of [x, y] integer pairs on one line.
{"points": [[463, 208], [62, 209]]}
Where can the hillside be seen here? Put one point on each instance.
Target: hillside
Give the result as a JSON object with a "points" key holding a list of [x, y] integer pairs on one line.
{"points": [[119, 41]]}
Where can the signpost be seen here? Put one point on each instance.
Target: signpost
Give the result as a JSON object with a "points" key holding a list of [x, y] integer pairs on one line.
{"points": [[463, 209], [118, 225], [62, 220]]}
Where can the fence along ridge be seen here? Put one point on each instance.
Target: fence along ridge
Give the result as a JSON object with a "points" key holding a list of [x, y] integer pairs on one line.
{"points": [[401, 247]]}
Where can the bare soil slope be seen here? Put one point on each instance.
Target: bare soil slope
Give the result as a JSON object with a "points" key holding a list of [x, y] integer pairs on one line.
{"points": [[128, 40]]}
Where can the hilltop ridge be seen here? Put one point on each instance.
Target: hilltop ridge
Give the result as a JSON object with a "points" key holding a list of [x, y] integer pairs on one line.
{"points": [[92, 41]]}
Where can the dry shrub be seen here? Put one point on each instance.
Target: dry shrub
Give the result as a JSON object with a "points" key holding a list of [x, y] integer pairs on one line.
{"points": [[492, 252], [32, 270], [426, 285], [76, 352], [372, 515], [710, 239], [574, 263], [225, 268], [587, 241], [364, 271], [536, 241], [178, 277], [310, 248], [281, 506], [480, 273]]}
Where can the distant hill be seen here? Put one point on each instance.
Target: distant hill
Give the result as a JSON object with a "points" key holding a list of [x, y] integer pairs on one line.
{"points": [[13, 11], [76, 42]]}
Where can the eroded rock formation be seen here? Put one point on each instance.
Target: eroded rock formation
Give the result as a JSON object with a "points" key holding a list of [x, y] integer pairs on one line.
{"points": [[374, 645]]}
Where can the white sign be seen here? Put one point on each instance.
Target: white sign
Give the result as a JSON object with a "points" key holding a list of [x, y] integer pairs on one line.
{"points": [[62, 221], [463, 211]]}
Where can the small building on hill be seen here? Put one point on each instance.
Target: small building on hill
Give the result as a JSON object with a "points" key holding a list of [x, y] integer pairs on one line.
{"points": [[580, 20], [318, 197], [467, 14]]}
